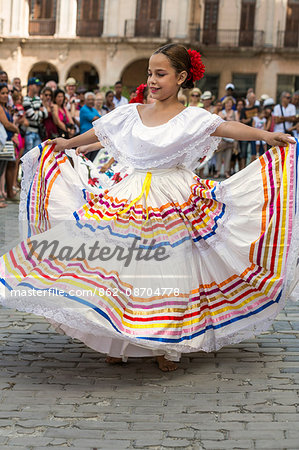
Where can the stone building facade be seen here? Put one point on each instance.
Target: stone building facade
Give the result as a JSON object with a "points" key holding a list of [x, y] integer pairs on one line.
{"points": [[252, 43]]}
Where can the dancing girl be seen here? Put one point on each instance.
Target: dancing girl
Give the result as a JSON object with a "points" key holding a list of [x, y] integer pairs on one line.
{"points": [[162, 262]]}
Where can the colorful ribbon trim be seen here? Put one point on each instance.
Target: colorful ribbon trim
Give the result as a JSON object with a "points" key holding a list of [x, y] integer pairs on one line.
{"points": [[145, 189]]}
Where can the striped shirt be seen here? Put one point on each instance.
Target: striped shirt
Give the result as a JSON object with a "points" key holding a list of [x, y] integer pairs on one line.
{"points": [[33, 113]]}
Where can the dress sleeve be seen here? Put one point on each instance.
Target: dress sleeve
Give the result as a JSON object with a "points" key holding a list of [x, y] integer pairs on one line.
{"points": [[200, 126], [108, 127]]}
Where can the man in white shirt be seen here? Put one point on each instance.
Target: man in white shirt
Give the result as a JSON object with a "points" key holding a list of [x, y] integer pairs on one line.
{"points": [[118, 99], [284, 113]]}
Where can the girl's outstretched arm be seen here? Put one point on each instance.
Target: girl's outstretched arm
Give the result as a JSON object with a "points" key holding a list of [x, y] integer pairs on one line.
{"points": [[241, 132], [83, 139]]}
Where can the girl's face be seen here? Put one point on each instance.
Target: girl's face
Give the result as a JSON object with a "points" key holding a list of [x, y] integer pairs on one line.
{"points": [[4, 95], [163, 81], [59, 99], [240, 106]]}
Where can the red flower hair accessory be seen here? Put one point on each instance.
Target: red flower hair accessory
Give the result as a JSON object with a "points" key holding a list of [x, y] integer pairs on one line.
{"points": [[197, 68], [139, 94]]}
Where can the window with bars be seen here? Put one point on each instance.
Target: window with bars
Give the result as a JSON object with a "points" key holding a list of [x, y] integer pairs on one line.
{"points": [[210, 21], [246, 35], [148, 18], [90, 17], [42, 17], [289, 83], [243, 81], [42, 9], [291, 37]]}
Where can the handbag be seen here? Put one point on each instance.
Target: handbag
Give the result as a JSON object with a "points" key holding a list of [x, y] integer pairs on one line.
{"points": [[7, 152], [3, 135]]}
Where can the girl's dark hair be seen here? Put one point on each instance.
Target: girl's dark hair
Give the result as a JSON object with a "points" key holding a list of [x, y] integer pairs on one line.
{"points": [[179, 59], [47, 89], [3, 85], [58, 91]]}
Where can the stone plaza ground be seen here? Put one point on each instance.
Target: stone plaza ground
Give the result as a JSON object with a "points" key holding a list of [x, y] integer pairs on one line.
{"points": [[58, 393]]}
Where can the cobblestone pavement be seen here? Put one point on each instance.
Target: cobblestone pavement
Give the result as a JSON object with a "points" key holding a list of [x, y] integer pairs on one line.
{"points": [[58, 393]]}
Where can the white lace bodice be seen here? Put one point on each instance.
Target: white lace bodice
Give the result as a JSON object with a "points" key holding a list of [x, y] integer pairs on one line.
{"points": [[183, 140]]}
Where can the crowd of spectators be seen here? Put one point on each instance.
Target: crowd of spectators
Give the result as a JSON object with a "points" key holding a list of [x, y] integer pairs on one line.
{"points": [[48, 111]]}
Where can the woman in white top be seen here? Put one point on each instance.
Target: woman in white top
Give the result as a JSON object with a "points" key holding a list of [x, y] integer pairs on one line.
{"points": [[163, 263]]}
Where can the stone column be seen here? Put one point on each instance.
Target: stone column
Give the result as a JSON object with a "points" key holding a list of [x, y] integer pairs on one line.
{"points": [[66, 18], [19, 17]]}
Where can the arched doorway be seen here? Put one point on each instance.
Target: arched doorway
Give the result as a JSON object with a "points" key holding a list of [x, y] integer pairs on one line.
{"points": [[135, 73], [44, 71], [86, 75]]}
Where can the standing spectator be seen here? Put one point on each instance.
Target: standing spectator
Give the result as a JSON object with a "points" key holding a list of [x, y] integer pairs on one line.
{"points": [[109, 103], [119, 99], [98, 104], [87, 115], [229, 92], [22, 123], [194, 99], [224, 151], [260, 122], [132, 94], [80, 101], [70, 87], [61, 116], [207, 99], [239, 106], [50, 126], [295, 101], [35, 114], [3, 77], [52, 85], [284, 114], [7, 168], [268, 111], [16, 84], [247, 114], [251, 91]]}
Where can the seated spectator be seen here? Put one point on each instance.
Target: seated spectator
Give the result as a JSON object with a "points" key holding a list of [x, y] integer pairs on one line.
{"points": [[61, 116], [119, 99], [109, 104]]}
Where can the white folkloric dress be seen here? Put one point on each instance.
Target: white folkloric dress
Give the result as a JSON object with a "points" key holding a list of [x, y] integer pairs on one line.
{"points": [[221, 256]]}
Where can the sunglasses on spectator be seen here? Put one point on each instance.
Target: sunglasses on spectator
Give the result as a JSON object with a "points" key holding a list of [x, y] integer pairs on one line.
{"points": [[288, 97], [194, 95], [47, 95]]}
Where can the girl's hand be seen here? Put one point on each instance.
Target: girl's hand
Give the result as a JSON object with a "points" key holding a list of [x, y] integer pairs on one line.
{"points": [[60, 144], [280, 139], [83, 149]]}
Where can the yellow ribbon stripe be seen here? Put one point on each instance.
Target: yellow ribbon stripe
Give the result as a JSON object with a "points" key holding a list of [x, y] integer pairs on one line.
{"points": [[145, 189]]}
